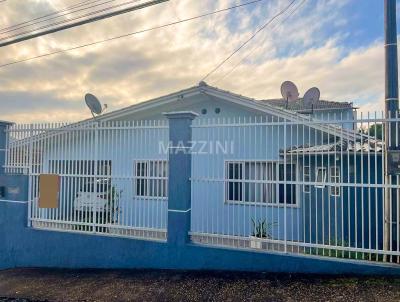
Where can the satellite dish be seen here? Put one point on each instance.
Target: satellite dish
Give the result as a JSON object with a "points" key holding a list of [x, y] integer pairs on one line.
{"points": [[289, 91], [94, 104], [311, 97]]}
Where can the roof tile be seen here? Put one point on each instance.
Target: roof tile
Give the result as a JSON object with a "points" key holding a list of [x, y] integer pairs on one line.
{"points": [[299, 105]]}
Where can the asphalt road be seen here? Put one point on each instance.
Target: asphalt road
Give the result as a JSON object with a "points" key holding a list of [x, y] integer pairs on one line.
{"points": [[125, 285]]}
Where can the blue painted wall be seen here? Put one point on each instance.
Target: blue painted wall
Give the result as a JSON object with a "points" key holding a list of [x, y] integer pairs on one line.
{"points": [[27, 247], [12, 186], [342, 118], [15, 187], [354, 218], [211, 213]]}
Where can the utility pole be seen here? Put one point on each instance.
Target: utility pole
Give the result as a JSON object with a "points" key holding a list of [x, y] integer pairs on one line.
{"points": [[391, 112]]}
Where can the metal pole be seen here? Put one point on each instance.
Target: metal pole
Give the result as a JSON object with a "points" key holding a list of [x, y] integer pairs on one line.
{"points": [[391, 106]]}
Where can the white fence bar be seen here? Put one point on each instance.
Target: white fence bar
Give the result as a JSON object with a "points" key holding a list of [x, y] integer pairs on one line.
{"points": [[113, 175], [313, 187]]}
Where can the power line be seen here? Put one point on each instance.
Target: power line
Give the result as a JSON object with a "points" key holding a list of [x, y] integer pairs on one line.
{"points": [[82, 22], [68, 20], [131, 34], [66, 9], [248, 40], [258, 46]]}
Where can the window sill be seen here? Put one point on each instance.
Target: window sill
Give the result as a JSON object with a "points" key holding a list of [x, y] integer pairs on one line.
{"points": [[272, 205], [150, 198]]}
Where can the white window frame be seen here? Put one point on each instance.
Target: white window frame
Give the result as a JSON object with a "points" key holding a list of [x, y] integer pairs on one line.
{"points": [[275, 182], [306, 179], [335, 179], [163, 195], [320, 185], [227, 181]]}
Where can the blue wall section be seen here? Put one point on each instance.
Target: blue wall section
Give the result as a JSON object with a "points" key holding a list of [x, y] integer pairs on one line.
{"points": [[3, 127], [12, 187], [353, 219], [15, 187], [27, 247]]}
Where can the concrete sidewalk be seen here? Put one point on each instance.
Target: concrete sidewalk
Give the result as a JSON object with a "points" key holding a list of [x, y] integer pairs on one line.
{"points": [[119, 285]]}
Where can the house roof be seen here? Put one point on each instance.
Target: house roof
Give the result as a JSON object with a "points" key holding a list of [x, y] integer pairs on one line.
{"points": [[365, 146], [297, 106], [301, 107], [211, 91]]}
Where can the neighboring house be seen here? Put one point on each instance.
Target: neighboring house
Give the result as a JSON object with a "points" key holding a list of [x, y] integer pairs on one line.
{"points": [[280, 161], [322, 110], [345, 204]]}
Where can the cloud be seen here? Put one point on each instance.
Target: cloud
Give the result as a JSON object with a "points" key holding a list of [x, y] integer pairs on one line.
{"points": [[130, 70]]}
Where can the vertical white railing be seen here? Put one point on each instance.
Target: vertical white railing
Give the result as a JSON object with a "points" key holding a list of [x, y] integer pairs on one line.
{"points": [[99, 182], [309, 186]]}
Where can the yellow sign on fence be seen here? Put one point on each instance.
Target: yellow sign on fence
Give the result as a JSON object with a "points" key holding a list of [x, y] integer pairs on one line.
{"points": [[49, 188]]}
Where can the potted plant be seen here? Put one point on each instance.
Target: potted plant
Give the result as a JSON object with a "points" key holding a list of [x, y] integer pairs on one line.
{"points": [[261, 230], [113, 205]]}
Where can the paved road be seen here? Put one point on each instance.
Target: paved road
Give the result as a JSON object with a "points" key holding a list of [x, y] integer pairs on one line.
{"points": [[118, 285]]}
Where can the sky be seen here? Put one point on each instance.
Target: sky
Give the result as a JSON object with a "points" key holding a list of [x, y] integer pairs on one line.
{"points": [[336, 45]]}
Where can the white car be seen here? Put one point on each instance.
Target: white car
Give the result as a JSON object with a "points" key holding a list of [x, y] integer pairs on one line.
{"points": [[92, 198]]}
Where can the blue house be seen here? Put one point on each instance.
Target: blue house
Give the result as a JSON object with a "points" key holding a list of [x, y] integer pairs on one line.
{"points": [[270, 174]]}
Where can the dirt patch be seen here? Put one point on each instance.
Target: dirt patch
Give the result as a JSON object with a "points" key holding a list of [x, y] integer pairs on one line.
{"points": [[126, 285]]}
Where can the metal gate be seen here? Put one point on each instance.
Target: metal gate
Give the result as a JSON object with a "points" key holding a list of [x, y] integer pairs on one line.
{"points": [[113, 175]]}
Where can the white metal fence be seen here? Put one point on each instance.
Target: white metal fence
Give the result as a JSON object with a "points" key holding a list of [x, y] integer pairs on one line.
{"points": [[113, 175], [313, 187]]}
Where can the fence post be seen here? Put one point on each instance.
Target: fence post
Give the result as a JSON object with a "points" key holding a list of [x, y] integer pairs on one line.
{"points": [[179, 187], [3, 141]]}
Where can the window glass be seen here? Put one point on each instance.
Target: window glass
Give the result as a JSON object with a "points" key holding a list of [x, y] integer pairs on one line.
{"points": [[151, 178], [234, 186], [287, 192], [258, 182]]}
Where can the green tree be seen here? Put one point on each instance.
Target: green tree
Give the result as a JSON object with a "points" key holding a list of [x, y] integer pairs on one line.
{"points": [[376, 131]]}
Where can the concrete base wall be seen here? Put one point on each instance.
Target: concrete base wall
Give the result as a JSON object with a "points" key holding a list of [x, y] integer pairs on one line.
{"points": [[26, 247], [15, 187]]}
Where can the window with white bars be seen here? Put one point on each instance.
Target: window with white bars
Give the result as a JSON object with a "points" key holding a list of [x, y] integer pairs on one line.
{"points": [[287, 191], [260, 182], [87, 169], [335, 180], [151, 178], [81, 167]]}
